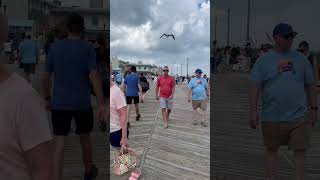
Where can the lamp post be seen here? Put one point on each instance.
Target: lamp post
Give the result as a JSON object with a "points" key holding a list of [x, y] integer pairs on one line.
{"points": [[187, 67], [248, 21], [228, 35]]}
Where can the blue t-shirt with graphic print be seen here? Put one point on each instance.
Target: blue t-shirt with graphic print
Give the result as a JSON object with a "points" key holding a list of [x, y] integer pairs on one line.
{"points": [[282, 77]]}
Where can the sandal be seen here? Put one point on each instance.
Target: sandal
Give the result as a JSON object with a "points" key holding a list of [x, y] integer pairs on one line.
{"points": [[135, 174]]}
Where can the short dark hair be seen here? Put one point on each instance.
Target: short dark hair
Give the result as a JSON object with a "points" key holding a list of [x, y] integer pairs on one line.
{"points": [[166, 67], [75, 23], [133, 69]]}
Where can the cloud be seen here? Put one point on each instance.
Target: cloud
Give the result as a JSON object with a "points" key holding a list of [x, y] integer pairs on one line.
{"points": [[133, 13], [135, 39]]}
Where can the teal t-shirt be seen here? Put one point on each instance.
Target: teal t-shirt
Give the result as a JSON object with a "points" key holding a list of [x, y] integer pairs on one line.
{"points": [[29, 51], [282, 78], [198, 89]]}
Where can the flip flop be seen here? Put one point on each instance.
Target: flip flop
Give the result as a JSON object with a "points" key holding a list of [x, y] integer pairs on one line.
{"points": [[135, 174]]}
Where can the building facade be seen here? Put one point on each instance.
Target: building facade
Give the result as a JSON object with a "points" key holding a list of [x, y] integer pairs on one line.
{"points": [[29, 16], [86, 3], [95, 20]]}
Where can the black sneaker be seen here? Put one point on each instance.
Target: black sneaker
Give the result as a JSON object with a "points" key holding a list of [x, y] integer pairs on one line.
{"points": [[92, 174], [138, 117]]}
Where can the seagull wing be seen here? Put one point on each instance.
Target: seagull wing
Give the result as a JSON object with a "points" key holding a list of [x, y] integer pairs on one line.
{"points": [[172, 36], [162, 35]]}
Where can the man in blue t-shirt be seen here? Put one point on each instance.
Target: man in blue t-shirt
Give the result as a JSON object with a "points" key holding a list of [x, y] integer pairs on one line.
{"points": [[132, 88], [199, 94], [28, 55], [72, 65], [285, 79], [118, 78]]}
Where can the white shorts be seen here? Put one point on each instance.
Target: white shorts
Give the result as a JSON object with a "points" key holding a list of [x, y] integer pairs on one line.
{"points": [[166, 103]]}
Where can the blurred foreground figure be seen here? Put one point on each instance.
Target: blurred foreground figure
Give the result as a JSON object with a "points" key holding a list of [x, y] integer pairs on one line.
{"points": [[25, 150]]}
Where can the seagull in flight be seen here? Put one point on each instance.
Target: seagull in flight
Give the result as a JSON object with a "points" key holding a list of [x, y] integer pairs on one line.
{"points": [[168, 36]]}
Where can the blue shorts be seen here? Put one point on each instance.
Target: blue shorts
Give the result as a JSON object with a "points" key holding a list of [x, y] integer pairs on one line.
{"points": [[115, 138]]}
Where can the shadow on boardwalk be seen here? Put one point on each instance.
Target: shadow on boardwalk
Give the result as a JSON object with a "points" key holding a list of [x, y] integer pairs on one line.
{"points": [[238, 151], [179, 152]]}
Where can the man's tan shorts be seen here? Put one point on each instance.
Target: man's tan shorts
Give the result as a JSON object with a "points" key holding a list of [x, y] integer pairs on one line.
{"points": [[202, 104], [294, 134]]}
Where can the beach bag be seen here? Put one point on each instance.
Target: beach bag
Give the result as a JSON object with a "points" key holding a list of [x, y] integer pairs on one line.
{"points": [[124, 162]]}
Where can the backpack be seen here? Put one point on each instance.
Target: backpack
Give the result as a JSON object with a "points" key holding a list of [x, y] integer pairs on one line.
{"points": [[144, 86]]}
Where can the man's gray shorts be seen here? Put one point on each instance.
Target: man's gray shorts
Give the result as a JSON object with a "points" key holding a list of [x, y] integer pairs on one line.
{"points": [[166, 103]]}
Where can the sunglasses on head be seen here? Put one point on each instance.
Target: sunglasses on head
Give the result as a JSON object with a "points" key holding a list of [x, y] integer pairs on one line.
{"points": [[288, 36]]}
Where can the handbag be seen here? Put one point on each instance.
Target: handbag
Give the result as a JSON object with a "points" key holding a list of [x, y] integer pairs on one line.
{"points": [[124, 162]]}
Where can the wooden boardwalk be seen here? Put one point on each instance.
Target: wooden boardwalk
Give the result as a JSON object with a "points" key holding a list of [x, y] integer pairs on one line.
{"points": [[179, 152], [237, 150]]}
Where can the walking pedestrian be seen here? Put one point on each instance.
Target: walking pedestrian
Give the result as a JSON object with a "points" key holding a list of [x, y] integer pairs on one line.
{"points": [[198, 94], [206, 78], [119, 132], [72, 65], [285, 80], [164, 92], [28, 56], [132, 88], [8, 50], [25, 134], [119, 79], [144, 86], [305, 50], [155, 79], [102, 56], [102, 59]]}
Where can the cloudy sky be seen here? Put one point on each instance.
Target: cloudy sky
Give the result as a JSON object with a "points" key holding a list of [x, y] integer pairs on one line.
{"points": [[265, 15], [136, 27]]}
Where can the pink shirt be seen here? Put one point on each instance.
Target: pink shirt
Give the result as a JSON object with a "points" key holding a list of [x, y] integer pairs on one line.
{"points": [[117, 101], [166, 83], [24, 125]]}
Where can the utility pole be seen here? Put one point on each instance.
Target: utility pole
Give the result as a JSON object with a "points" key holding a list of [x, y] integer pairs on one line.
{"points": [[172, 69], [177, 66], [215, 28], [228, 39], [181, 70], [248, 21], [187, 67]]}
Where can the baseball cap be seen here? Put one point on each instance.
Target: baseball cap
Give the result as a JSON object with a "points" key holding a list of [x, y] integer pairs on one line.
{"points": [[283, 29], [199, 71], [303, 45]]}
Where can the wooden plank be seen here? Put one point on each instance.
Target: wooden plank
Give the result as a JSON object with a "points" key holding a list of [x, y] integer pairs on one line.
{"points": [[179, 152]]}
